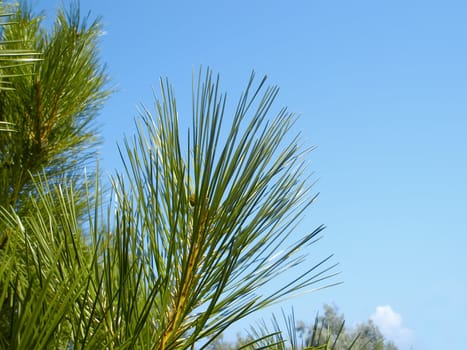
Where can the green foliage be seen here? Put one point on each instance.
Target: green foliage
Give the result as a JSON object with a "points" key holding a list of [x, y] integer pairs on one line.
{"points": [[12, 57], [197, 227], [327, 332], [331, 326], [185, 249], [50, 104], [193, 235], [214, 216], [43, 271]]}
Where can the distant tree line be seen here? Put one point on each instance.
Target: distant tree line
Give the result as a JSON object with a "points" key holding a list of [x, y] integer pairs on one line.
{"points": [[327, 331]]}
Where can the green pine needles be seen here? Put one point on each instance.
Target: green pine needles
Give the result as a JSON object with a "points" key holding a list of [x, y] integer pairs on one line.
{"points": [[211, 223], [197, 228], [50, 104]]}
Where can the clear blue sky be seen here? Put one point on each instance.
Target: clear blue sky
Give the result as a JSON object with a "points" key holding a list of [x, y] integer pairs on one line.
{"points": [[382, 90]]}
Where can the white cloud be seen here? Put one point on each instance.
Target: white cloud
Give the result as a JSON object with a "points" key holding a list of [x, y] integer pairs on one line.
{"points": [[389, 323]]}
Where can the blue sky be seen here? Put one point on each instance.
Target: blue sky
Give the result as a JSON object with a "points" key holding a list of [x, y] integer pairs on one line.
{"points": [[381, 87]]}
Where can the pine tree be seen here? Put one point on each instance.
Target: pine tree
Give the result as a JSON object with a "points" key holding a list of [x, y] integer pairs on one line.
{"points": [[198, 226], [49, 104]]}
